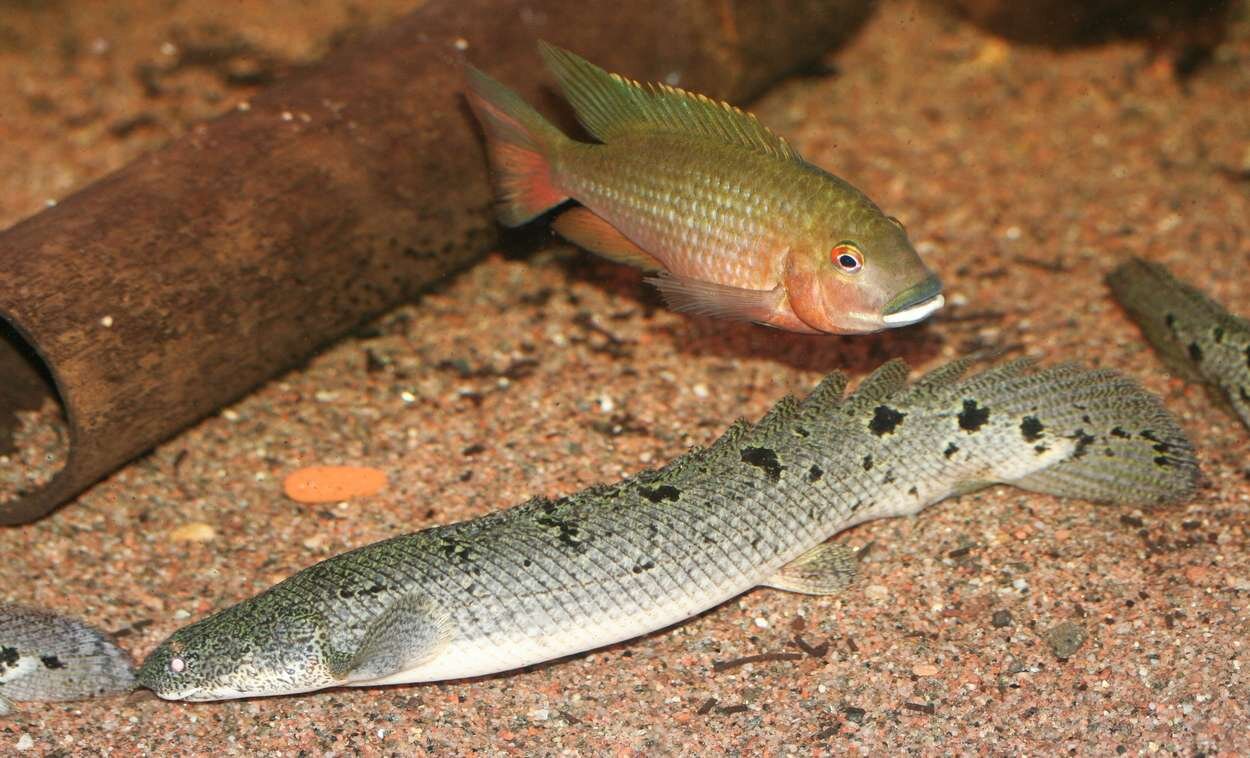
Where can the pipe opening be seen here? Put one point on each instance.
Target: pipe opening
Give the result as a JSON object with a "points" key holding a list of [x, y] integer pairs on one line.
{"points": [[34, 432]]}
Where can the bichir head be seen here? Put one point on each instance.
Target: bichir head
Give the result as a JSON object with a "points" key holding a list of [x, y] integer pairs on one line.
{"points": [[242, 651]]}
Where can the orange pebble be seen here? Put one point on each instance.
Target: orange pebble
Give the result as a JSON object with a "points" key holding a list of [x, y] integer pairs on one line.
{"points": [[330, 484]]}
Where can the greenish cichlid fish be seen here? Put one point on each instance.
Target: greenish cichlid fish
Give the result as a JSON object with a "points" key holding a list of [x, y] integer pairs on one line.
{"points": [[728, 216]]}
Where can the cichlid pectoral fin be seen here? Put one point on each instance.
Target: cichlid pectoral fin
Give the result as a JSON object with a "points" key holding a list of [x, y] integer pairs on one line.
{"points": [[718, 300], [411, 631], [824, 570], [583, 228]]}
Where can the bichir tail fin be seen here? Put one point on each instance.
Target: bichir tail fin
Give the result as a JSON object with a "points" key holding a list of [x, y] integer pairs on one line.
{"points": [[521, 143], [1126, 448]]}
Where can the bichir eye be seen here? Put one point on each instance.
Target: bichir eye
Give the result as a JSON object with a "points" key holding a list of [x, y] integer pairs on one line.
{"points": [[847, 257], [177, 665]]}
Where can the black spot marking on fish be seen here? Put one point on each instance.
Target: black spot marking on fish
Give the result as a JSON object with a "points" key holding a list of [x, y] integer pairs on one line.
{"points": [[1170, 320], [1162, 461], [973, 417], [1247, 356], [455, 549], [9, 656], [641, 567], [661, 493], [1118, 432], [913, 492], [1217, 334], [855, 505], [51, 662], [814, 473], [1083, 441], [951, 449], [568, 531], [527, 563], [889, 477], [1245, 396], [347, 594], [763, 458], [885, 420], [1039, 449], [1031, 428], [801, 432], [1195, 352], [867, 463]]}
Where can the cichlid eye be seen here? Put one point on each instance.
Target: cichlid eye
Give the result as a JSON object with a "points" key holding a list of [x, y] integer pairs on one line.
{"points": [[847, 257]]}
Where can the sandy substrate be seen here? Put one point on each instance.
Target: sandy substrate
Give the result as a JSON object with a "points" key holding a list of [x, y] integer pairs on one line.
{"points": [[1002, 621]]}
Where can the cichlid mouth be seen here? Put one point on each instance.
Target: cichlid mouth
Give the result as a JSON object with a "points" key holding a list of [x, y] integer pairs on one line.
{"points": [[914, 303]]}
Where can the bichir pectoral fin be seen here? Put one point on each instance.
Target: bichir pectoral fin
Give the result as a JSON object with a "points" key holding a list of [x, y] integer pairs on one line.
{"points": [[410, 632], [823, 570], [6, 706], [585, 229], [719, 300]]}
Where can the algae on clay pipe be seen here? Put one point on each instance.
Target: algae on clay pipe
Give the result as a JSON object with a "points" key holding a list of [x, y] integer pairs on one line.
{"points": [[553, 577]]}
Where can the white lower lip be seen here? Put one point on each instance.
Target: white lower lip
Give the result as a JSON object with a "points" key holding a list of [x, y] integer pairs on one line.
{"points": [[914, 313]]}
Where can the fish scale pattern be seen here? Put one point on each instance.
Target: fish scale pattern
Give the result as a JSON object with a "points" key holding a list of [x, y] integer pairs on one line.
{"points": [[1195, 335], [556, 576], [49, 657]]}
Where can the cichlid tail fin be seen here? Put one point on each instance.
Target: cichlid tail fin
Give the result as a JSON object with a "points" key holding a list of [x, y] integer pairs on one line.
{"points": [[521, 143], [1125, 447]]}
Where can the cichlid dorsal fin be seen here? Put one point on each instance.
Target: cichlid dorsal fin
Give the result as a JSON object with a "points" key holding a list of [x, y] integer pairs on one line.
{"points": [[609, 105]]}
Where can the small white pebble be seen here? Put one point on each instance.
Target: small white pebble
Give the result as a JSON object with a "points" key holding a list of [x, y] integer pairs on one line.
{"points": [[287, 116], [106, 322], [957, 299], [407, 397], [25, 742], [325, 396], [99, 46], [50, 202], [876, 592], [606, 404], [540, 714], [244, 106], [1013, 233], [761, 622], [381, 734], [460, 43], [230, 415], [181, 615], [1020, 585], [169, 48], [699, 390]]}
